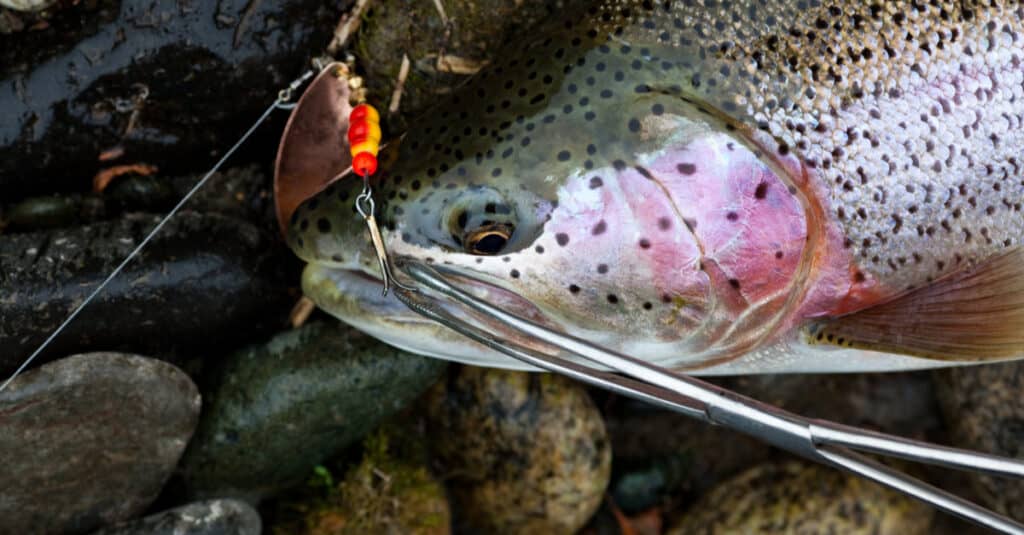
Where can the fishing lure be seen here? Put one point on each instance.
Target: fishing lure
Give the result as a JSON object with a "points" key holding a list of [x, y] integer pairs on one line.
{"points": [[364, 144]]}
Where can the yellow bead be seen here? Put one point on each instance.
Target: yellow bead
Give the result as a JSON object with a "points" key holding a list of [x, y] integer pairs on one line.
{"points": [[366, 146], [373, 132]]}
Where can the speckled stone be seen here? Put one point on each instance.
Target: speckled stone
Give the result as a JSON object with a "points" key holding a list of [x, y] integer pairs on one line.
{"points": [[213, 517], [281, 408], [90, 440], [522, 452], [796, 497], [984, 409]]}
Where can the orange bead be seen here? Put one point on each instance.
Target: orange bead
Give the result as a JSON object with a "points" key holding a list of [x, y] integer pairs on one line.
{"points": [[364, 164]]}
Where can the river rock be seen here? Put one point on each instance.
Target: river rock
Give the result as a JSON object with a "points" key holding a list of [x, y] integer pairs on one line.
{"points": [[90, 440], [205, 282], [212, 517], [796, 497], [279, 409], [522, 452], [984, 409], [171, 83]]}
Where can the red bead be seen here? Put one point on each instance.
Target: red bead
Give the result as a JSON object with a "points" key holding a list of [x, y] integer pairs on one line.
{"points": [[357, 132], [363, 113], [364, 164]]}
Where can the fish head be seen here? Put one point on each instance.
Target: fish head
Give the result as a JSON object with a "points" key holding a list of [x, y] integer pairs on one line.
{"points": [[576, 192]]}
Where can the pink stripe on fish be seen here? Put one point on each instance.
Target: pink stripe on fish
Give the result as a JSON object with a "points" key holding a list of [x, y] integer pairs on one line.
{"points": [[751, 228]]}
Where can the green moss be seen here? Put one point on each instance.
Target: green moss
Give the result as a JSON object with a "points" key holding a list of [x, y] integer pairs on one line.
{"points": [[389, 491]]}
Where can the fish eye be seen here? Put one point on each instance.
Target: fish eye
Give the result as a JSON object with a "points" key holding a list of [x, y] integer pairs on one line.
{"points": [[478, 220], [488, 239]]}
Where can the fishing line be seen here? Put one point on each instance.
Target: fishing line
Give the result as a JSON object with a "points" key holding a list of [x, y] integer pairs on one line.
{"points": [[282, 103]]}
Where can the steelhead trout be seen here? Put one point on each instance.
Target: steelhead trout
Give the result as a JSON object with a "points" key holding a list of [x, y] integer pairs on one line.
{"points": [[720, 187]]}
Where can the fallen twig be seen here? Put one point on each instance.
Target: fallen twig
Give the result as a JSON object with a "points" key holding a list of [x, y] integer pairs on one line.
{"points": [[347, 26], [403, 73]]}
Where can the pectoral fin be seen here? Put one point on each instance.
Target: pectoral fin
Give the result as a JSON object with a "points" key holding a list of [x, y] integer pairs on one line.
{"points": [[977, 314]]}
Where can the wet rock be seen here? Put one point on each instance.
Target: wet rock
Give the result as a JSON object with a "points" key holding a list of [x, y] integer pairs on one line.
{"points": [[204, 282], [172, 83], [39, 213], [476, 32], [795, 497], [141, 193], [281, 408], [27, 5], [90, 440], [391, 490], [984, 410], [213, 517], [523, 452], [642, 484]]}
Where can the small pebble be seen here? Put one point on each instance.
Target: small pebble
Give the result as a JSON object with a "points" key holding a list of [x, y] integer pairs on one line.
{"points": [[213, 517]]}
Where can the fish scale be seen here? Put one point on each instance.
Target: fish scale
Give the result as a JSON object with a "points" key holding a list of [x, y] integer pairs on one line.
{"points": [[610, 148]]}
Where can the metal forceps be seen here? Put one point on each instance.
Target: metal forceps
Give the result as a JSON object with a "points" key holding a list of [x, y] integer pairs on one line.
{"points": [[819, 440]]}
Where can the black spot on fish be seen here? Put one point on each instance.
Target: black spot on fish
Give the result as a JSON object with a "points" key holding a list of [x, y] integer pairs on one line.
{"points": [[539, 249], [687, 168], [664, 223], [574, 289], [613, 299], [735, 283], [596, 182], [732, 216], [323, 225], [599, 228], [564, 156], [562, 238], [514, 273], [619, 165], [657, 109], [602, 268], [634, 125], [778, 254], [645, 243], [761, 191]]}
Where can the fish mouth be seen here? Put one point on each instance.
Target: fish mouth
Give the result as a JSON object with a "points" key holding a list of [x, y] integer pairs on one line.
{"points": [[356, 297]]}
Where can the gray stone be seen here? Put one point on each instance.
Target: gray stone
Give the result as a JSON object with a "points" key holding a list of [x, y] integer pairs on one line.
{"points": [[90, 440], [281, 408], [212, 517]]}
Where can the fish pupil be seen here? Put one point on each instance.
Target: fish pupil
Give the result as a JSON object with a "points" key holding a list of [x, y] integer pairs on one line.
{"points": [[490, 244]]}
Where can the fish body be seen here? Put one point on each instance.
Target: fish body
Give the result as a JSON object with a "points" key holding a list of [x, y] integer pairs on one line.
{"points": [[720, 187]]}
